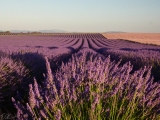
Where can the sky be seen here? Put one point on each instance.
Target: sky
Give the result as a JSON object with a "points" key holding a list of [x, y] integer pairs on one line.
{"points": [[81, 15]]}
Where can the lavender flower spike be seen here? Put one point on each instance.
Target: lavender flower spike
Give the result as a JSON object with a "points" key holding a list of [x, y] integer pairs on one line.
{"points": [[32, 100], [49, 79], [36, 89]]}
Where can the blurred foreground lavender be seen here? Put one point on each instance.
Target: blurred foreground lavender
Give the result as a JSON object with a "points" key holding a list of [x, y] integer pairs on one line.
{"points": [[92, 87], [11, 75]]}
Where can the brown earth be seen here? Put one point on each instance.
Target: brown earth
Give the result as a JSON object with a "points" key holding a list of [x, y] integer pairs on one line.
{"points": [[149, 38]]}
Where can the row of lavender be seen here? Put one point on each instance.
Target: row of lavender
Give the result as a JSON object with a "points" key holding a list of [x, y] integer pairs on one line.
{"points": [[22, 58], [140, 55]]}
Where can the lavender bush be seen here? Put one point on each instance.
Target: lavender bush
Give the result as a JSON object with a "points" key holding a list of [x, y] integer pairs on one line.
{"points": [[139, 58], [12, 77], [91, 87]]}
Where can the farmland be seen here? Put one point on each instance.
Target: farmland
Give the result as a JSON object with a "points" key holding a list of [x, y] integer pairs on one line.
{"points": [[67, 72], [147, 38]]}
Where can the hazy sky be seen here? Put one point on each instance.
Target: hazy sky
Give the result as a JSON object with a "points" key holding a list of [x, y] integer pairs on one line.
{"points": [[81, 15]]}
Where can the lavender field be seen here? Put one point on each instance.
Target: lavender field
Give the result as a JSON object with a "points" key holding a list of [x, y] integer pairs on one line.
{"points": [[78, 76]]}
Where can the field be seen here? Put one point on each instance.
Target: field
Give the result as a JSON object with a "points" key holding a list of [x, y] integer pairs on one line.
{"points": [[147, 38], [80, 76]]}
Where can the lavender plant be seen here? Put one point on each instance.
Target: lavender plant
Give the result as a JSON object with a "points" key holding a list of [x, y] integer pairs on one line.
{"points": [[91, 87], [12, 77], [139, 58]]}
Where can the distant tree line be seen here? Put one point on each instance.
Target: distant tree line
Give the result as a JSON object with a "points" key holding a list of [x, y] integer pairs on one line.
{"points": [[8, 32], [5, 32]]}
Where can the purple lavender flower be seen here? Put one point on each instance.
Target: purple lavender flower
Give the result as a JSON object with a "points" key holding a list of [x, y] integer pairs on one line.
{"points": [[58, 115], [32, 99]]}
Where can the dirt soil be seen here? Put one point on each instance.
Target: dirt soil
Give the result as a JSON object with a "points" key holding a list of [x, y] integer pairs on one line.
{"points": [[149, 38]]}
